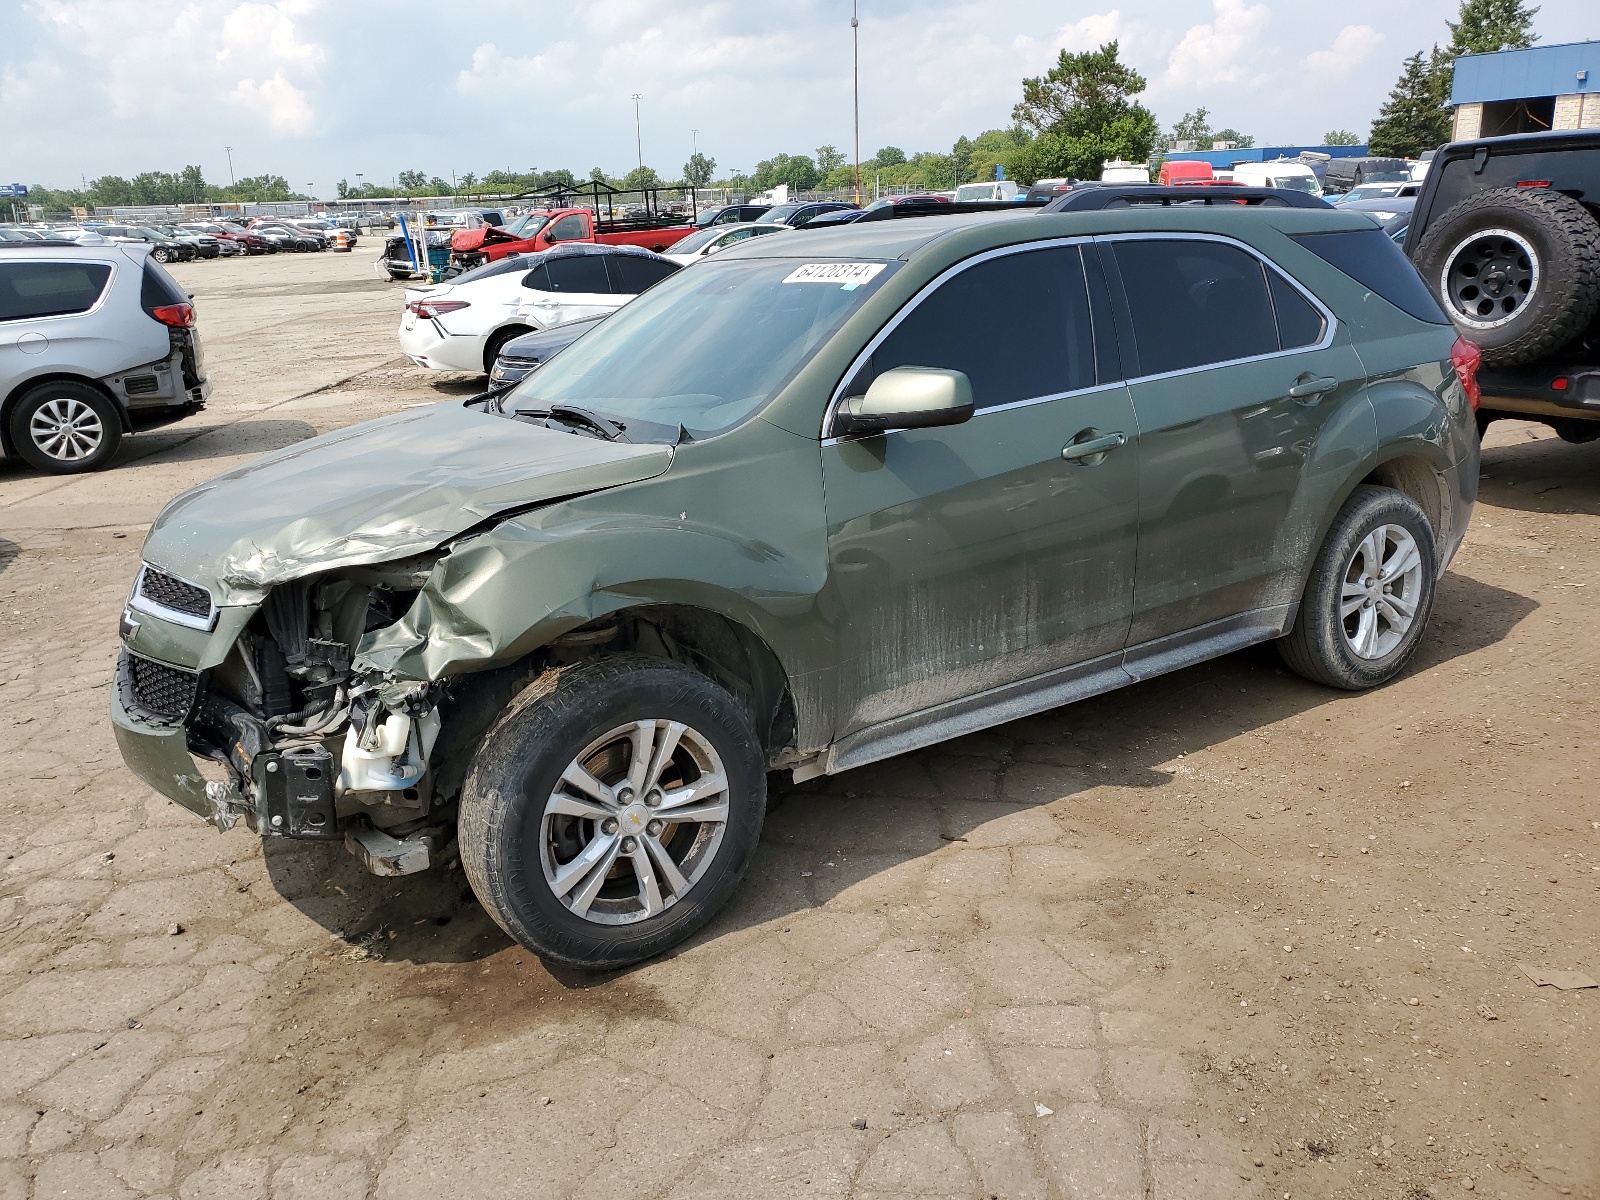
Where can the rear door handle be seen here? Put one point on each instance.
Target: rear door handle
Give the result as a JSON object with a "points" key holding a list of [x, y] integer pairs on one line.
{"points": [[1091, 443], [1306, 387]]}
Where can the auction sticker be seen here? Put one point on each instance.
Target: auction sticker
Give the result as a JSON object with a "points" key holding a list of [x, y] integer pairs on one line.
{"points": [[848, 274]]}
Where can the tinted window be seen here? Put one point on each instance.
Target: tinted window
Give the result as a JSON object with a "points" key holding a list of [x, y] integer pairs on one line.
{"points": [[158, 287], [581, 273], [508, 265], [568, 229], [1194, 303], [1375, 262], [1299, 323], [1017, 326], [537, 279], [49, 289], [631, 274]]}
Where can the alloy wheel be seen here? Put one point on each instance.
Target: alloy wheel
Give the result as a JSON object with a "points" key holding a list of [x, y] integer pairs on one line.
{"points": [[634, 822], [1489, 278], [66, 429], [1382, 591]]}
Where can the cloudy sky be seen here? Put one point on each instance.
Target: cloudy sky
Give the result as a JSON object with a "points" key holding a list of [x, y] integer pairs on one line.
{"points": [[318, 90]]}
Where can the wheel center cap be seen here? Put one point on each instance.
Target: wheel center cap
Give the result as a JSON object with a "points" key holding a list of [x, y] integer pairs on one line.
{"points": [[634, 818]]}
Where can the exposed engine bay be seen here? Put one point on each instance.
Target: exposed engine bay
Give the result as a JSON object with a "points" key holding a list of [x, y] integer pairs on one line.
{"points": [[309, 743]]}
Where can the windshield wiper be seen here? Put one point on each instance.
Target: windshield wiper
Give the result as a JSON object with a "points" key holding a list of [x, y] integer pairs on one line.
{"points": [[611, 431]]}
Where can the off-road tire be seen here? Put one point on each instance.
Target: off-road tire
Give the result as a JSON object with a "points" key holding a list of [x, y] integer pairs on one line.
{"points": [[497, 343], [1316, 647], [76, 396], [520, 762], [1566, 242]]}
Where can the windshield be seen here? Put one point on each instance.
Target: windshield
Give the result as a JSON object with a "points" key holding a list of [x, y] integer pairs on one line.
{"points": [[706, 348], [527, 225], [782, 213], [696, 241], [512, 262], [974, 191], [1297, 183], [1386, 176]]}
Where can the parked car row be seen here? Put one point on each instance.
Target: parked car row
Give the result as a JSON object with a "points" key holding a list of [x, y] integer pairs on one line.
{"points": [[193, 239]]}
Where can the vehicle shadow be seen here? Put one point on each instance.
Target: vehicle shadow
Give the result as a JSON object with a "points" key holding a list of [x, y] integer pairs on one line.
{"points": [[194, 443], [1545, 475], [8, 553], [829, 834]]}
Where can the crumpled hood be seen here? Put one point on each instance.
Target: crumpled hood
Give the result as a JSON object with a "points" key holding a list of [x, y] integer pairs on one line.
{"points": [[375, 492]]}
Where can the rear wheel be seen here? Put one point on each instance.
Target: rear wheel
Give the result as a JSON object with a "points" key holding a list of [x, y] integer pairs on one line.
{"points": [[1371, 589], [497, 343], [612, 810], [65, 428]]}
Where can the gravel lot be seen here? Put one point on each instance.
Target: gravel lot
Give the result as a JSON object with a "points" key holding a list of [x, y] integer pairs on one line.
{"points": [[1223, 934]]}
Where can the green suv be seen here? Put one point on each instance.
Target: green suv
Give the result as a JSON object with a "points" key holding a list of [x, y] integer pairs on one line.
{"points": [[822, 500]]}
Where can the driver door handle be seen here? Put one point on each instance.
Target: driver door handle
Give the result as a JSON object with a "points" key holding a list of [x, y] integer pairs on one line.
{"points": [[1093, 446]]}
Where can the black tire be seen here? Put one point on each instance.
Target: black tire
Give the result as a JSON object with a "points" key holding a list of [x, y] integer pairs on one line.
{"points": [[502, 828], [1517, 270], [1319, 647], [161, 256], [96, 428], [399, 276], [497, 343]]}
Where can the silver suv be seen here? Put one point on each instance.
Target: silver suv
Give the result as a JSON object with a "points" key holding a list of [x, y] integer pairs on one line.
{"points": [[95, 341]]}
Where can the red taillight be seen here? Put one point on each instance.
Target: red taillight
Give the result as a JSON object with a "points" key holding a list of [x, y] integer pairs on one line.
{"points": [[1533, 183], [1558, 384], [436, 308], [179, 316], [1466, 359]]}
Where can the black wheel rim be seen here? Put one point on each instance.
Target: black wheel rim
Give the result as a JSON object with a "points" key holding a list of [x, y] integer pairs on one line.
{"points": [[1490, 277]]}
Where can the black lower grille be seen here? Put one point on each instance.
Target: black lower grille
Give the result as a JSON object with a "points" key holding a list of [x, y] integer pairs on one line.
{"points": [[157, 688], [168, 592]]}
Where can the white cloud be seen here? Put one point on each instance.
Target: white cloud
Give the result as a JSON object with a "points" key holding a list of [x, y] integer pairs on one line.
{"points": [[1349, 50], [1218, 52], [494, 73], [284, 107]]}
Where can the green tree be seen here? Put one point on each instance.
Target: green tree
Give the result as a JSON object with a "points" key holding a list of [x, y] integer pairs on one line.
{"points": [[1416, 116], [796, 170], [640, 177], [468, 182], [1341, 137], [597, 175], [1485, 26], [1084, 113], [889, 156], [109, 190], [699, 170], [411, 181], [1242, 140], [1191, 127], [829, 159]]}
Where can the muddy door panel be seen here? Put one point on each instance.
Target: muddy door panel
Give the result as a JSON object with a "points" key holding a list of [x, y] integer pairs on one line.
{"points": [[965, 558]]}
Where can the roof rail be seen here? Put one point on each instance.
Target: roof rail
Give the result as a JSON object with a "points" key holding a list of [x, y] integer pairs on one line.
{"points": [[1090, 199]]}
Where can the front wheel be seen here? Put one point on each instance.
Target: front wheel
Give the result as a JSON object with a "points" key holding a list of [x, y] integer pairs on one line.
{"points": [[612, 810], [1371, 589], [161, 256]]}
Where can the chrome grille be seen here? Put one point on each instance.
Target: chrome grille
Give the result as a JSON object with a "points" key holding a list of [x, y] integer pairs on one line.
{"points": [[174, 594], [157, 688]]}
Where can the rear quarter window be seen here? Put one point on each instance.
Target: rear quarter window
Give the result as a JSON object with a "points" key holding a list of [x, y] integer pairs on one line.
{"points": [[1370, 257], [50, 289]]}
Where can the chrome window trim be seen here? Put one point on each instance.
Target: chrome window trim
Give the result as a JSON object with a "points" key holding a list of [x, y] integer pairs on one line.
{"points": [[910, 306], [144, 604], [1330, 322]]}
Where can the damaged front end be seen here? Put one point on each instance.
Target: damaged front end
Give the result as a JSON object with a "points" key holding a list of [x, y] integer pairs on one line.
{"points": [[299, 745]]}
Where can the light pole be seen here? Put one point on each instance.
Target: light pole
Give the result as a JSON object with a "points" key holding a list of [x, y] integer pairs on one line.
{"points": [[358, 181], [855, 40], [231, 180], [638, 134]]}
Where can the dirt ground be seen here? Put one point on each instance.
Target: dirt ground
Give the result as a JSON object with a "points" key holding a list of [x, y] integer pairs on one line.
{"points": [[1222, 934]]}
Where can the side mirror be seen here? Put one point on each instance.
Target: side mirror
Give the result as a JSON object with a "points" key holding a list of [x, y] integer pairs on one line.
{"points": [[906, 398]]}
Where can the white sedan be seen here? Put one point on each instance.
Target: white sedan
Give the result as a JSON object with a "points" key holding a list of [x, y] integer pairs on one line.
{"points": [[719, 237], [462, 325]]}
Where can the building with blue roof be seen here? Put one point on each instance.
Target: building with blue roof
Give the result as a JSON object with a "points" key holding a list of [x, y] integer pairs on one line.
{"points": [[1527, 91]]}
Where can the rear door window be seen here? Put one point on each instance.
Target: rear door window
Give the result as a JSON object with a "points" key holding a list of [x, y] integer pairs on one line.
{"points": [[1017, 326], [55, 289], [581, 274], [632, 274], [1299, 323], [1194, 303], [1370, 257]]}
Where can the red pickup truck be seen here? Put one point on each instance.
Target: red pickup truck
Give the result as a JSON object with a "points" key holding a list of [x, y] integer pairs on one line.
{"points": [[542, 229]]}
